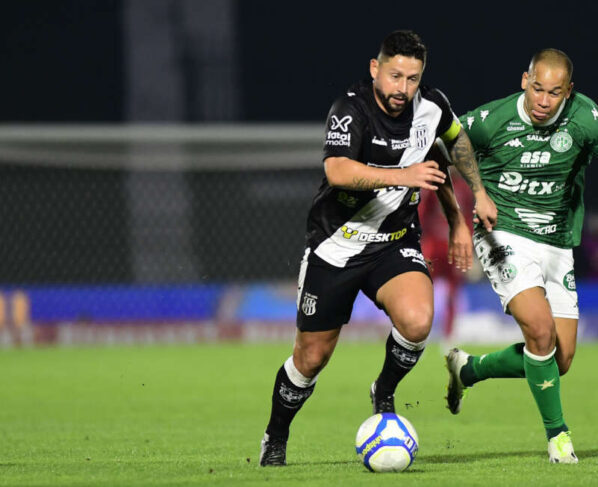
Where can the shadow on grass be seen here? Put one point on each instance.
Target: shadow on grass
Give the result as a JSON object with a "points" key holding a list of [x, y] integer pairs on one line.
{"points": [[328, 462], [455, 458]]}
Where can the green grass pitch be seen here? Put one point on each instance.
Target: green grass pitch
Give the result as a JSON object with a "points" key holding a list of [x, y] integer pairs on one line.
{"points": [[194, 415]]}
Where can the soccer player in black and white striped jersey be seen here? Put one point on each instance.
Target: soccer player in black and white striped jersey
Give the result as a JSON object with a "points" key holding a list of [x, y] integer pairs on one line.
{"points": [[363, 230]]}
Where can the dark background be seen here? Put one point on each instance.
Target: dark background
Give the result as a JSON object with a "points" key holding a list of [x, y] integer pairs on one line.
{"points": [[64, 60], [73, 61]]}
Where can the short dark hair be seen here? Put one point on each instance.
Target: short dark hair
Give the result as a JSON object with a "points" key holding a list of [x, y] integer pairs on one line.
{"points": [[404, 43], [552, 56]]}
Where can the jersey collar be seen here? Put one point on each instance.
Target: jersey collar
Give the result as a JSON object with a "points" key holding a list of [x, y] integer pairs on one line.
{"points": [[525, 117]]}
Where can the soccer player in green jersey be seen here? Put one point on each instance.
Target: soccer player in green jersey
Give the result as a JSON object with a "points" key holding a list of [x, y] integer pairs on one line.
{"points": [[532, 149]]}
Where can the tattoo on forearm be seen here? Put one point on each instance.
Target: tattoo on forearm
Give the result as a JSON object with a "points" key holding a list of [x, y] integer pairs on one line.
{"points": [[464, 160], [363, 184]]}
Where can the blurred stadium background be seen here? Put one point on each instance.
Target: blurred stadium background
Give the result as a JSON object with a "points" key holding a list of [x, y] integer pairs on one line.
{"points": [[158, 158]]}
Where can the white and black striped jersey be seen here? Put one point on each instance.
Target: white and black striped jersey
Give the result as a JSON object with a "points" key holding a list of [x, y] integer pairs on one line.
{"points": [[347, 227]]}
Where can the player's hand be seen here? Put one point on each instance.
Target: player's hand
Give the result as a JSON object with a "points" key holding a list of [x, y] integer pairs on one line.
{"points": [[460, 245], [424, 175], [485, 211]]}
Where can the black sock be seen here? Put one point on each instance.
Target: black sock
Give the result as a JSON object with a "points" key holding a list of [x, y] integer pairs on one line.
{"points": [[287, 399], [400, 358]]}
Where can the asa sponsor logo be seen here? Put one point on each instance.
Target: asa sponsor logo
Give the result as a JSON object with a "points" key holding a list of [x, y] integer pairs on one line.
{"points": [[515, 127], [484, 114], [378, 141], [515, 183], [561, 141], [569, 281], [470, 121], [535, 158], [538, 222]]}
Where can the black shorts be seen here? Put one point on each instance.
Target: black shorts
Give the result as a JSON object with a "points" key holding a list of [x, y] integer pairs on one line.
{"points": [[326, 293]]}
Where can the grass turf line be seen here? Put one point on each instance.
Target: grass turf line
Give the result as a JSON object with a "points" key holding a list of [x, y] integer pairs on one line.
{"points": [[194, 415]]}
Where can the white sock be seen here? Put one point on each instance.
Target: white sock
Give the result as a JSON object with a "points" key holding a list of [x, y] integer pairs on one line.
{"points": [[296, 377], [401, 340]]}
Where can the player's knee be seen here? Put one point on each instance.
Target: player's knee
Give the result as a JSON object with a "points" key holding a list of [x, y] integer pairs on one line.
{"points": [[311, 360], [542, 337], [414, 324]]}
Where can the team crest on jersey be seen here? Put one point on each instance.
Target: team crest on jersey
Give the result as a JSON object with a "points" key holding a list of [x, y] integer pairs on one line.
{"points": [[309, 304], [561, 141], [421, 136]]}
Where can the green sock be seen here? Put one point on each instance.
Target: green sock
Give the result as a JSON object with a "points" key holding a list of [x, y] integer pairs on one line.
{"points": [[542, 375], [507, 363]]}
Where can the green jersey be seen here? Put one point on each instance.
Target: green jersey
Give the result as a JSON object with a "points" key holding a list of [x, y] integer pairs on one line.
{"points": [[535, 174]]}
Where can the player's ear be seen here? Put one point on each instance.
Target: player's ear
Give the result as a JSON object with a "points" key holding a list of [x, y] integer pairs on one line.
{"points": [[569, 90], [524, 79], [374, 68]]}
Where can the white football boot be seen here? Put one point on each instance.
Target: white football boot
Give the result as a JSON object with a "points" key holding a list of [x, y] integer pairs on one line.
{"points": [[560, 448], [455, 360]]}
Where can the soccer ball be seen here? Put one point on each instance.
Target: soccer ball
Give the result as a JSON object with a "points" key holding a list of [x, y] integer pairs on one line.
{"points": [[386, 442]]}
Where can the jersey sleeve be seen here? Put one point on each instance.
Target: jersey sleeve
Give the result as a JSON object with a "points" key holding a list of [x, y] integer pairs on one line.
{"points": [[345, 126], [448, 126], [473, 124], [592, 130]]}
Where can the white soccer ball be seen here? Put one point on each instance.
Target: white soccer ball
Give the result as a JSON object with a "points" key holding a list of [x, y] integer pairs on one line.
{"points": [[386, 442]]}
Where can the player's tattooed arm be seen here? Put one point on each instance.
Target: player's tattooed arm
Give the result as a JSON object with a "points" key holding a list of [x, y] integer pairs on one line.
{"points": [[463, 157], [346, 173], [364, 184]]}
